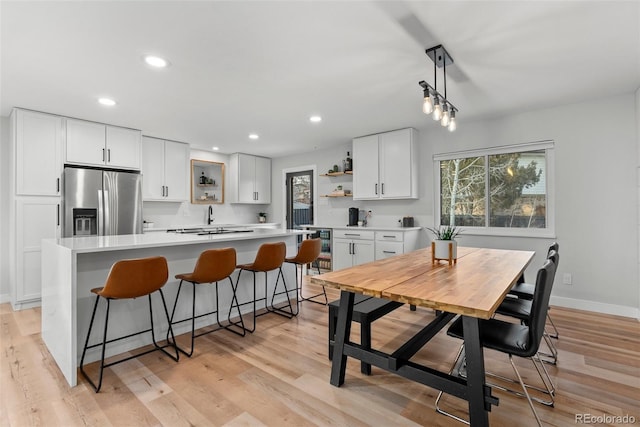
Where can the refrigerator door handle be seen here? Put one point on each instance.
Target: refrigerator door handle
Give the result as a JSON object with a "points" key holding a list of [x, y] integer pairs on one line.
{"points": [[100, 214], [106, 217]]}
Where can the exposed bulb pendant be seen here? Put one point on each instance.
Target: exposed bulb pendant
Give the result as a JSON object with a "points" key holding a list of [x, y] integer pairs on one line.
{"points": [[427, 106], [434, 103], [437, 109], [452, 121], [445, 116]]}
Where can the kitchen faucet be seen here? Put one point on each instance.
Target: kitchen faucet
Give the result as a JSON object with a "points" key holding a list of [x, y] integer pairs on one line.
{"points": [[210, 212]]}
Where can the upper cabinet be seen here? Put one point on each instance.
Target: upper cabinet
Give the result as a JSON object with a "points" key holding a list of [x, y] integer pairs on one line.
{"points": [[250, 179], [385, 166], [37, 140], [165, 170], [96, 144]]}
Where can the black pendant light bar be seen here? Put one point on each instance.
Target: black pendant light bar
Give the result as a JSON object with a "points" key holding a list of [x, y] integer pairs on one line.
{"points": [[434, 102]]}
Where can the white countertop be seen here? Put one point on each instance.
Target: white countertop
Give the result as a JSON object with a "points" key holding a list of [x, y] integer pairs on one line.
{"points": [[344, 227], [149, 240]]}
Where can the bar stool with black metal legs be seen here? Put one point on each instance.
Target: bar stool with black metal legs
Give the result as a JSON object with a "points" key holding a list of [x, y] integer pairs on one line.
{"points": [[307, 254], [128, 279], [270, 257], [212, 266]]}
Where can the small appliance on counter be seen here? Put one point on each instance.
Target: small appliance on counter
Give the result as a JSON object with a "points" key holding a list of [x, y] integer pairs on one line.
{"points": [[407, 221], [353, 217]]}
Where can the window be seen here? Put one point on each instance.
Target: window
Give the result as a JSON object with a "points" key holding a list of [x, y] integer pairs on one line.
{"points": [[504, 191]]}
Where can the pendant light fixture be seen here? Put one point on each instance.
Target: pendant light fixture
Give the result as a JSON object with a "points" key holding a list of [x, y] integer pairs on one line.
{"points": [[434, 103]]}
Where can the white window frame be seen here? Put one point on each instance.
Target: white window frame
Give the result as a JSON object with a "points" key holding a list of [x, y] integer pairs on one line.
{"points": [[547, 146]]}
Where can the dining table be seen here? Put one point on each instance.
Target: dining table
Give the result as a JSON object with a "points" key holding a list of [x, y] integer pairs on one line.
{"points": [[472, 288]]}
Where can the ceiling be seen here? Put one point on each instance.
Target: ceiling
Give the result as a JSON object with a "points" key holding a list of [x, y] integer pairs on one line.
{"points": [[240, 67]]}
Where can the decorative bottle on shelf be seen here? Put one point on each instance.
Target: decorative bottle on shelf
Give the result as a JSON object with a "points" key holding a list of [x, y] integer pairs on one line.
{"points": [[203, 179], [348, 165]]}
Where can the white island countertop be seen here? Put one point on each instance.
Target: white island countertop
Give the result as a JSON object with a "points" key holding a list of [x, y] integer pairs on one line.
{"points": [[365, 228], [149, 240]]}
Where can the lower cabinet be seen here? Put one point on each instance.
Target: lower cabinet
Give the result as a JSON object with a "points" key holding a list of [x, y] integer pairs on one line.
{"points": [[37, 218], [391, 243], [352, 248]]}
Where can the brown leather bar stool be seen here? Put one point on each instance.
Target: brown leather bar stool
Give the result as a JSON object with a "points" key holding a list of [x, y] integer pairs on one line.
{"points": [[307, 254], [212, 266], [270, 257], [128, 279]]}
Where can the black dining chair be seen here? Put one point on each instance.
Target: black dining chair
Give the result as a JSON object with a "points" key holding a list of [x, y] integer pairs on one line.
{"points": [[522, 340], [520, 307]]}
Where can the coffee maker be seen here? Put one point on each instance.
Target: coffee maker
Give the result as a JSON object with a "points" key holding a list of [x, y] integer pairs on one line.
{"points": [[353, 216]]}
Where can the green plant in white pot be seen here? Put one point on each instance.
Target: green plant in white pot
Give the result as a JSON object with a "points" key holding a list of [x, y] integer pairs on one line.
{"points": [[444, 246]]}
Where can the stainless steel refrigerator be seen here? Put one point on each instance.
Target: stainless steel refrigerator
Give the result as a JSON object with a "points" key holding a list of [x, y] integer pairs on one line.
{"points": [[101, 202]]}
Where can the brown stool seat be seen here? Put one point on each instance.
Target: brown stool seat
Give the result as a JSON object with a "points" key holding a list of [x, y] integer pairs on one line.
{"points": [[307, 254], [212, 266], [270, 257], [132, 278]]}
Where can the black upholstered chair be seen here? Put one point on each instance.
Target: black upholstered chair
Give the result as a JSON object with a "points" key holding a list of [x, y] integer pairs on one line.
{"points": [[520, 307], [522, 340]]}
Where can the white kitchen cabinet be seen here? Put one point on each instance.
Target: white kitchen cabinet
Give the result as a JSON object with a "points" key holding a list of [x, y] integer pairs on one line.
{"points": [[165, 170], [352, 248], [385, 166], [36, 218], [250, 179], [37, 141], [392, 243], [97, 144]]}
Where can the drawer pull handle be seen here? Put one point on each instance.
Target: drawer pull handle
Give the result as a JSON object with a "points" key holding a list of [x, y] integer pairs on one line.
{"points": [[391, 237], [351, 234], [388, 252]]}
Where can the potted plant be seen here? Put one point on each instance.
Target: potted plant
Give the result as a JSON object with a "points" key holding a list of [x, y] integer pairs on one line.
{"points": [[262, 217], [444, 246]]}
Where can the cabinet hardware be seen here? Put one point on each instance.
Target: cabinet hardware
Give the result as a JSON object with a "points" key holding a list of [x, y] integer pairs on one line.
{"points": [[391, 237], [103, 154], [109, 155], [382, 188], [162, 191], [58, 214], [166, 191], [57, 185], [354, 248], [351, 234], [388, 252], [376, 189]]}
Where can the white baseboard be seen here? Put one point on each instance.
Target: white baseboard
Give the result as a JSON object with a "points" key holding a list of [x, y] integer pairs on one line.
{"points": [[5, 298], [598, 307]]}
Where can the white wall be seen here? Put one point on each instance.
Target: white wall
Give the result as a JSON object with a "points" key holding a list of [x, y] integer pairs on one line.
{"points": [[5, 167], [166, 214], [597, 194]]}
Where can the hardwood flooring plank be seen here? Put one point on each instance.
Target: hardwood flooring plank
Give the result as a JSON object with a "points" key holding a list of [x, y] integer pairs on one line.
{"points": [[279, 376]]}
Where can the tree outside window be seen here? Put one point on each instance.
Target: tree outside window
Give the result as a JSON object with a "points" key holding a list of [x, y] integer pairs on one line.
{"points": [[515, 196]]}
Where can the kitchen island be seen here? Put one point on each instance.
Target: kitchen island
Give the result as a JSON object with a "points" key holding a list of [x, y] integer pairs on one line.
{"points": [[71, 267]]}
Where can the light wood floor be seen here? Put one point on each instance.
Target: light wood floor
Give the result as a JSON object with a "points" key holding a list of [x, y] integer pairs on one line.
{"points": [[280, 376]]}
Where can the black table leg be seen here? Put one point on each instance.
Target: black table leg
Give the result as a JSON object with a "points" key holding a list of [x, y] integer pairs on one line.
{"points": [[478, 415], [343, 332]]}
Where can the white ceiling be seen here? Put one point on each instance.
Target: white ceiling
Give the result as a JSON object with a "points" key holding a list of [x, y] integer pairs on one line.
{"points": [[265, 66]]}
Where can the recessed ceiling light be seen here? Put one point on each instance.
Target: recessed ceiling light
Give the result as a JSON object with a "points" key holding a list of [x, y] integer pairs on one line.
{"points": [[315, 119], [215, 148], [156, 61], [253, 136], [107, 101]]}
